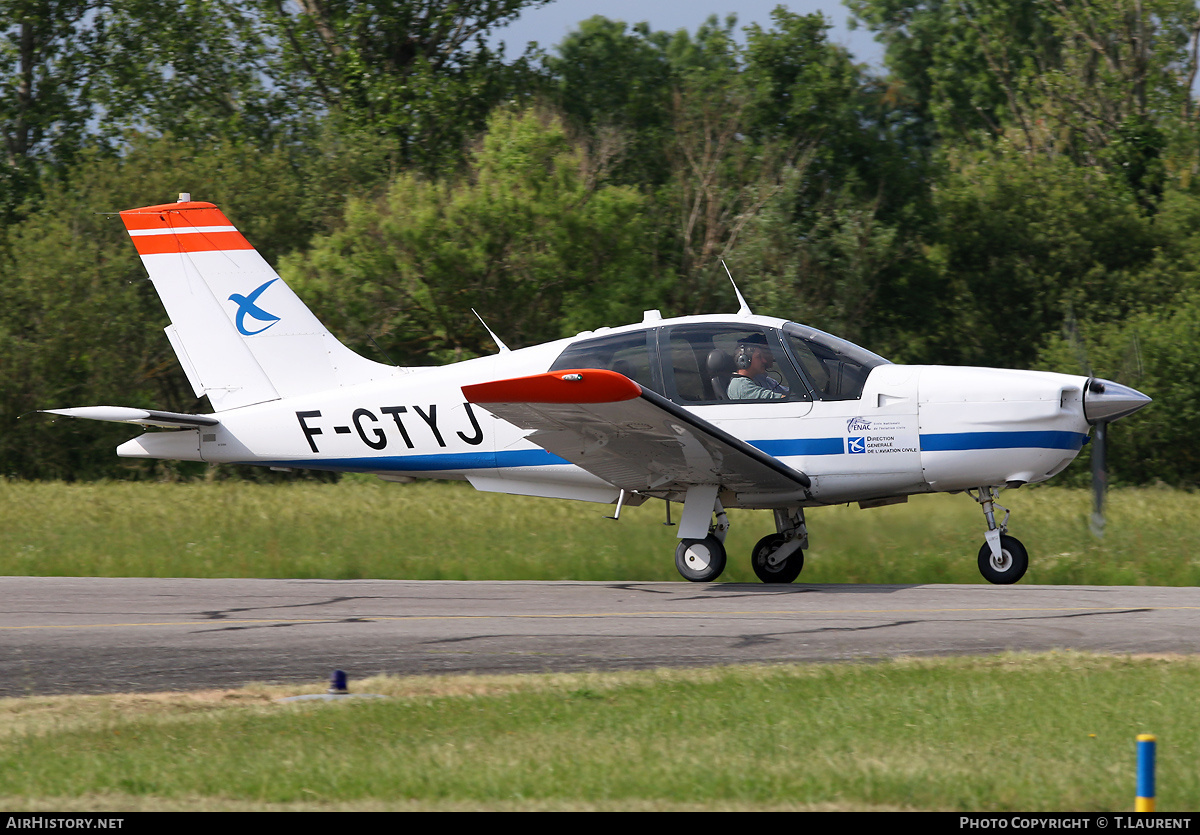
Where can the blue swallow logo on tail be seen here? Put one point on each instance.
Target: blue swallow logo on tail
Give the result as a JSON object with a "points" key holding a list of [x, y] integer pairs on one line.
{"points": [[246, 304]]}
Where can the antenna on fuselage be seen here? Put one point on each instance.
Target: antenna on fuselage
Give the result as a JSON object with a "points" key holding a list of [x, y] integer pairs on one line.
{"points": [[378, 347], [503, 348], [744, 309]]}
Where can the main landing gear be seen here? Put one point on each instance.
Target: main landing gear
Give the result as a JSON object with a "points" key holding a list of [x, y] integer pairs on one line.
{"points": [[703, 560], [700, 560], [777, 558], [1003, 559]]}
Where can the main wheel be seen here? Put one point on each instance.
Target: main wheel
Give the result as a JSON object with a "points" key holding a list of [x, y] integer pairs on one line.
{"points": [[700, 560], [1010, 567], [784, 572]]}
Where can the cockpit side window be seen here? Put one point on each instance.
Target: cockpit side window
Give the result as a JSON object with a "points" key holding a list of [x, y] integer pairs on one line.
{"points": [[625, 353], [711, 364], [836, 368]]}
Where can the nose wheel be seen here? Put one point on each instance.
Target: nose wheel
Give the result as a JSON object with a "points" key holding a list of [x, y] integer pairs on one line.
{"points": [[1006, 568], [1003, 559]]}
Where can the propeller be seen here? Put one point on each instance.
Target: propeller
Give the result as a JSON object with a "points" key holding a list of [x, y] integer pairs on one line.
{"points": [[1103, 402]]}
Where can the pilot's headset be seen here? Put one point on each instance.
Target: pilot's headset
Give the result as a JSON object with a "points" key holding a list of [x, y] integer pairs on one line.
{"points": [[744, 357], [745, 351]]}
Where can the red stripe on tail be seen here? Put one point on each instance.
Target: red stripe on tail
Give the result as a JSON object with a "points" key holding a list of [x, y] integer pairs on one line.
{"points": [[198, 242], [174, 222]]}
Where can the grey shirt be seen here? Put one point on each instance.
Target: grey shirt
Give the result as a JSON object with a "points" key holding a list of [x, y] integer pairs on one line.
{"points": [[762, 387]]}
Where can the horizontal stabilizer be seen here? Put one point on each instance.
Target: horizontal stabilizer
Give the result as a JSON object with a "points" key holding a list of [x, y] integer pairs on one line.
{"points": [[144, 417], [629, 436]]}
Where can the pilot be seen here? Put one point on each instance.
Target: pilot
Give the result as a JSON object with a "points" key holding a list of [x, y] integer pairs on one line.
{"points": [[751, 381]]}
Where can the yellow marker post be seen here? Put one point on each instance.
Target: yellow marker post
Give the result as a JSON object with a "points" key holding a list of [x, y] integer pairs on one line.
{"points": [[1144, 802]]}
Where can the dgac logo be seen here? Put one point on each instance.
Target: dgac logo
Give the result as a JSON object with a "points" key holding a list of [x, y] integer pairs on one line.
{"points": [[857, 445], [246, 304], [858, 424]]}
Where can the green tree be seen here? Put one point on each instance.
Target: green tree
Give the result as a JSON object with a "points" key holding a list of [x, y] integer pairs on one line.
{"points": [[1157, 352], [1021, 240], [826, 270], [1102, 81], [527, 236], [614, 83], [44, 49], [200, 70], [803, 89], [80, 323], [1062, 129], [417, 74], [960, 63], [783, 166]]}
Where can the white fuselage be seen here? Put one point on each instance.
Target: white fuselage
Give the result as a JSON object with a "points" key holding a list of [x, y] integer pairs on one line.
{"points": [[914, 429]]}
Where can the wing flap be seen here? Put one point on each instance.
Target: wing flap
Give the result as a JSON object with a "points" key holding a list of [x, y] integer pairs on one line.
{"points": [[631, 437]]}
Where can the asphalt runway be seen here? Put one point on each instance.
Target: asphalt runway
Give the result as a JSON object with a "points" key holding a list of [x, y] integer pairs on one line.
{"points": [[98, 635]]}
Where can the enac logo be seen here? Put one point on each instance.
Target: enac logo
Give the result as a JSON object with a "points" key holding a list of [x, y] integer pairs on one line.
{"points": [[246, 304]]}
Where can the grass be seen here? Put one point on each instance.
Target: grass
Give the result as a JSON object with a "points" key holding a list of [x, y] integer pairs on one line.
{"points": [[363, 528], [1015, 732]]}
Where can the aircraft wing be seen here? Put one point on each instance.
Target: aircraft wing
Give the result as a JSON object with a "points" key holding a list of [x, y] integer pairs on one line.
{"points": [[629, 436], [144, 417]]}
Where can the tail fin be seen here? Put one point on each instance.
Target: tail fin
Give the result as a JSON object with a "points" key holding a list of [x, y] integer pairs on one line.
{"points": [[241, 334]]}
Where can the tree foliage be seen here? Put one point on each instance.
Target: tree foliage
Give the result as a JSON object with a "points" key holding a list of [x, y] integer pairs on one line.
{"points": [[43, 112], [416, 73], [526, 235], [199, 70], [1022, 180], [80, 322]]}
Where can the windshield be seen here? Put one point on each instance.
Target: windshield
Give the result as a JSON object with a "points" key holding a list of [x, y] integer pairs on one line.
{"points": [[836, 368]]}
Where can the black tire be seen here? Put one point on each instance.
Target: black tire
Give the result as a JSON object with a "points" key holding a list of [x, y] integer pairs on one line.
{"points": [[785, 572], [1014, 561], [700, 560]]}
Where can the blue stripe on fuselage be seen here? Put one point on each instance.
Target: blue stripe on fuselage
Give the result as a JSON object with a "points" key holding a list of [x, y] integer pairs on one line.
{"points": [[426, 463], [801, 446], [778, 447], [966, 441]]}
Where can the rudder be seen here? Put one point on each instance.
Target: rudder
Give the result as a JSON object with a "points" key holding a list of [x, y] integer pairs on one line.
{"points": [[241, 334]]}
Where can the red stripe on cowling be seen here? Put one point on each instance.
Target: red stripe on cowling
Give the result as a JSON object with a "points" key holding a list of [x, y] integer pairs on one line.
{"points": [[190, 242], [593, 385]]}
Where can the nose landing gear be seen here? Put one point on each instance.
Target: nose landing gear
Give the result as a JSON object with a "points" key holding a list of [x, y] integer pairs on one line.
{"points": [[1003, 560]]}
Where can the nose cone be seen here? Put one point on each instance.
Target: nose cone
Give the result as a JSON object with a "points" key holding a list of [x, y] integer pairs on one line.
{"points": [[1107, 401]]}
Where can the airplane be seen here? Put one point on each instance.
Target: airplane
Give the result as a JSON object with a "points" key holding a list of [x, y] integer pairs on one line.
{"points": [[711, 412]]}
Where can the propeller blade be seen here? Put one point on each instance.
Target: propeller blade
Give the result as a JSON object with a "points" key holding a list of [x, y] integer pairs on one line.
{"points": [[1099, 477]]}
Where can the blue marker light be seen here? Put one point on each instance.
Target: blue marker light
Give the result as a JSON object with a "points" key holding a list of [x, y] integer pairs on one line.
{"points": [[337, 683]]}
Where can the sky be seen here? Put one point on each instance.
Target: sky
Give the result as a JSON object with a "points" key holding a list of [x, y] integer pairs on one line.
{"points": [[549, 24]]}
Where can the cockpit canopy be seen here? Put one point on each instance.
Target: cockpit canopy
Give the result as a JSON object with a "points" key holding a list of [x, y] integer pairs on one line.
{"points": [[699, 363]]}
